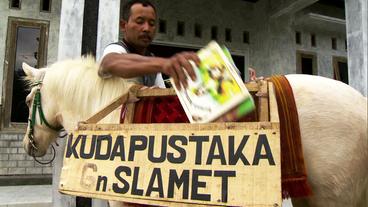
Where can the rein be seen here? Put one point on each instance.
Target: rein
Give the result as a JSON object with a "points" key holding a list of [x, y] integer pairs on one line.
{"points": [[37, 107]]}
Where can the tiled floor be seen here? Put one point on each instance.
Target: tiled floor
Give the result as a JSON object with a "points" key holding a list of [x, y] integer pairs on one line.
{"points": [[39, 196], [26, 196]]}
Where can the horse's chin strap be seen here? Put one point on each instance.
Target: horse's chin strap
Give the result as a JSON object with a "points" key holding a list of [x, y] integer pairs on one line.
{"points": [[37, 107]]}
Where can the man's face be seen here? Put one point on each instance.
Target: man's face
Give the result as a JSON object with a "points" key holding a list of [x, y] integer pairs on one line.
{"points": [[141, 26]]}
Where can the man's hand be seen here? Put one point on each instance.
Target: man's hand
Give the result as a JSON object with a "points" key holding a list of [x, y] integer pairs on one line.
{"points": [[175, 66]]}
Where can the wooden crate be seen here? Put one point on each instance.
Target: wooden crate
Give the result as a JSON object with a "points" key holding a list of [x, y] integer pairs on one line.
{"points": [[228, 164]]}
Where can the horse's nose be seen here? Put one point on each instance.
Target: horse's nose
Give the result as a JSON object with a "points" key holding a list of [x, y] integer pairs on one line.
{"points": [[27, 147], [31, 148]]}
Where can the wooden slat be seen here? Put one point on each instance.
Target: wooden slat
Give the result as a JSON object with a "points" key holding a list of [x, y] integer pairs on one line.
{"points": [[263, 101], [268, 175], [180, 126], [136, 92], [252, 86], [131, 94], [129, 114], [156, 92], [134, 201], [274, 113], [108, 109]]}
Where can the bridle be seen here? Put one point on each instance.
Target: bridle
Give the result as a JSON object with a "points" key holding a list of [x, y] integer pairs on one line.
{"points": [[37, 107]]}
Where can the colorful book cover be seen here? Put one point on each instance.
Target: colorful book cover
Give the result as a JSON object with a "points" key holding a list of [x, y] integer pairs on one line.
{"points": [[217, 89]]}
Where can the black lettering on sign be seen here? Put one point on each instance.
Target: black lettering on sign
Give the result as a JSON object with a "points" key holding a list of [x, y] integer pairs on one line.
{"points": [[115, 186], [101, 179], [134, 146], [216, 144], [118, 150], [234, 157], [70, 148], [151, 147], [108, 140], [199, 141], [156, 175], [263, 142], [91, 151], [197, 184], [224, 182], [175, 180], [182, 153], [135, 189]]}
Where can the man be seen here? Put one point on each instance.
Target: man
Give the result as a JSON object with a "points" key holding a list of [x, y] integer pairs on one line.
{"points": [[130, 58]]}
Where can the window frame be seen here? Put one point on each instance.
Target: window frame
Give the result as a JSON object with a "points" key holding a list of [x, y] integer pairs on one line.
{"points": [[228, 35], [50, 6], [10, 57], [16, 8], [198, 30], [336, 69], [180, 28], [306, 54], [162, 26]]}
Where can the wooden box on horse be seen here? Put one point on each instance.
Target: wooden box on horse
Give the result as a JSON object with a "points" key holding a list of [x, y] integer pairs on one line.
{"points": [[177, 164]]}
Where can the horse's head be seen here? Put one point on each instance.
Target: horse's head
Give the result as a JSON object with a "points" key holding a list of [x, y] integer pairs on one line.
{"points": [[44, 123]]}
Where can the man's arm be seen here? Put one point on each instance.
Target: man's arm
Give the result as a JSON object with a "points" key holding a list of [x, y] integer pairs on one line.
{"points": [[133, 65]]}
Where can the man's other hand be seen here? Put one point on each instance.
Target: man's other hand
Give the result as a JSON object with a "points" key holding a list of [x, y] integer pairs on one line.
{"points": [[175, 66]]}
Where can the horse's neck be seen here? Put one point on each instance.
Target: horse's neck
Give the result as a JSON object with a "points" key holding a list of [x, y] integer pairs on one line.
{"points": [[77, 106]]}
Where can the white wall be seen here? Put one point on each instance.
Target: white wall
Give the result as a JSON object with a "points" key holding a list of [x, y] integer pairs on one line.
{"points": [[30, 10]]}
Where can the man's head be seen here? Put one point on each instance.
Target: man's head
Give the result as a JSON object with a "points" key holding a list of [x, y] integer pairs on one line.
{"points": [[138, 23]]}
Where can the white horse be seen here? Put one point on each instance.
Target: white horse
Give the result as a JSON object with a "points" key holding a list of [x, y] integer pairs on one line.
{"points": [[332, 116]]}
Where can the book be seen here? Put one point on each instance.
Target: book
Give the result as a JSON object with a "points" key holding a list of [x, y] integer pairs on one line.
{"points": [[217, 89]]}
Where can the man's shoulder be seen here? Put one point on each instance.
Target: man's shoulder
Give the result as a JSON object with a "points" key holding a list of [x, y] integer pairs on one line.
{"points": [[119, 43], [115, 48]]}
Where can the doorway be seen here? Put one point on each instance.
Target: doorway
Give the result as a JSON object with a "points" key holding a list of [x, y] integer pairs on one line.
{"points": [[340, 68], [306, 63], [26, 42]]}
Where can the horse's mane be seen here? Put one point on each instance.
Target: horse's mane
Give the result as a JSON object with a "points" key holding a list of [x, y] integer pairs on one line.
{"points": [[77, 81]]}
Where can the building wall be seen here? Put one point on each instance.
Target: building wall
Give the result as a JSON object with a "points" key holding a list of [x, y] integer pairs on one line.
{"points": [[272, 48], [13, 160], [208, 14], [30, 10], [323, 50]]}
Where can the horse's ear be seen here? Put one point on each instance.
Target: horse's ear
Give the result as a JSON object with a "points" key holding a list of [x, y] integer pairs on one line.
{"points": [[29, 71]]}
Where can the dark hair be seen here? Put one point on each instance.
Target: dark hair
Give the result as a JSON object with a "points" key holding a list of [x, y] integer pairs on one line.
{"points": [[125, 11]]}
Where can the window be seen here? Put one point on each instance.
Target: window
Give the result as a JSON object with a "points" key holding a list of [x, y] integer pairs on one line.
{"points": [[14, 4], [45, 5], [334, 43], [180, 30], [214, 34], [313, 40], [228, 35], [246, 37], [197, 30], [162, 26], [26, 42], [298, 38]]}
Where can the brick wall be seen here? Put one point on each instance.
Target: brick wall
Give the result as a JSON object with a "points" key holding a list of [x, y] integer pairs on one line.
{"points": [[15, 161]]}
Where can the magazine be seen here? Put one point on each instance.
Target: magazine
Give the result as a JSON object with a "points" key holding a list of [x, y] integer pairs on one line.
{"points": [[217, 89]]}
